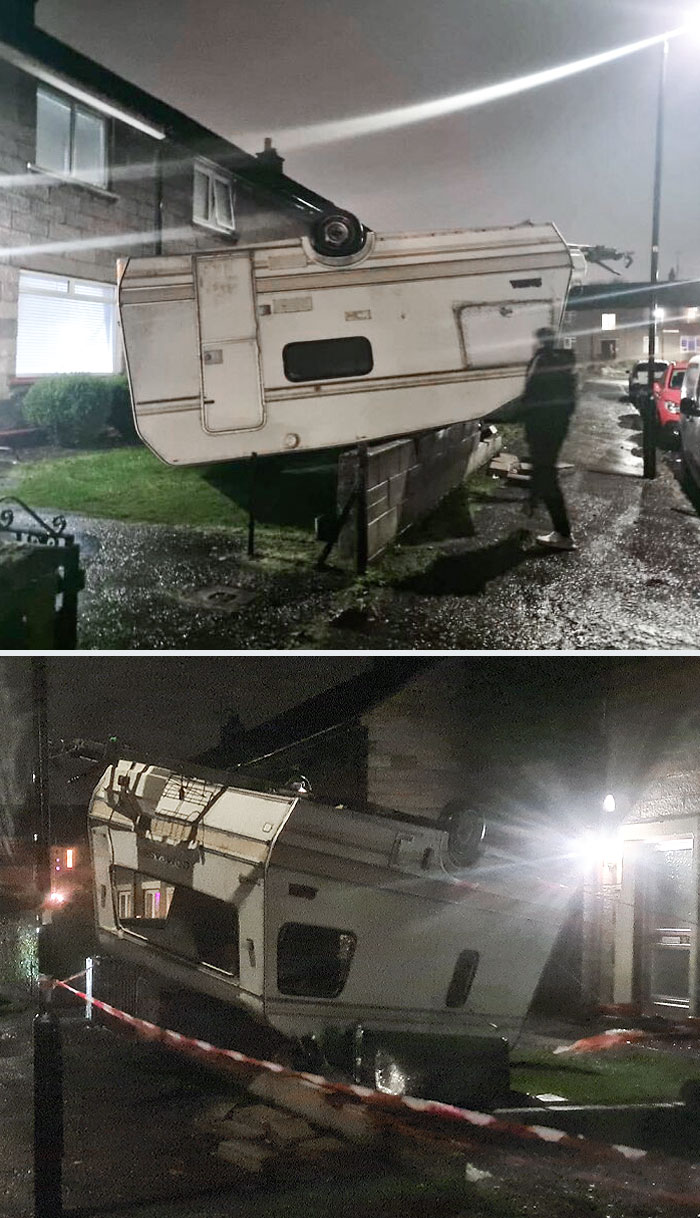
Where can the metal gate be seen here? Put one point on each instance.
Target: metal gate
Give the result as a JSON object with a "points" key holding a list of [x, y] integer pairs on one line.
{"points": [[42, 578]]}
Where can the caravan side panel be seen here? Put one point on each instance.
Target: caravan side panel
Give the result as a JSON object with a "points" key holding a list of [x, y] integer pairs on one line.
{"points": [[447, 318]]}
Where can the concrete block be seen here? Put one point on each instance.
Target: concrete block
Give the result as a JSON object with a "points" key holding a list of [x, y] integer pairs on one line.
{"points": [[260, 1122], [284, 1129], [397, 488], [315, 1149], [214, 1114], [249, 1156]]}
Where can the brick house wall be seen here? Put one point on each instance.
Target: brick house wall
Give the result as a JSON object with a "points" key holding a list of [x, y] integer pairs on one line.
{"points": [[38, 213]]}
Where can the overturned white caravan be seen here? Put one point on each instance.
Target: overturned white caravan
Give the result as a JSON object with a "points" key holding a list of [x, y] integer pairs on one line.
{"points": [[299, 345], [400, 951]]}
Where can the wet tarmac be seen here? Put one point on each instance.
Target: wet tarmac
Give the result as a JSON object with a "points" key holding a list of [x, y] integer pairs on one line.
{"points": [[138, 1144], [633, 582]]}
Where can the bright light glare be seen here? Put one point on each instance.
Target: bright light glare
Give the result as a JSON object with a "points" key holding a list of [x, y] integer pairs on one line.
{"points": [[594, 848], [609, 803], [56, 898], [403, 116], [691, 22]]}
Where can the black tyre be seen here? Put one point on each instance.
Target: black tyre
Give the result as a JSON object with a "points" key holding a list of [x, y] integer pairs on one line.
{"points": [[466, 834], [338, 234]]}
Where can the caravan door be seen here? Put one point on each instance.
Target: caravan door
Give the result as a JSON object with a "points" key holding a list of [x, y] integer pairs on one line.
{"points": [[232, 397]]}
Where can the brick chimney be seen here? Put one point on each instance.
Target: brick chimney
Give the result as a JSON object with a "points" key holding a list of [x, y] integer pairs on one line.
{"points": [[270, 157]]}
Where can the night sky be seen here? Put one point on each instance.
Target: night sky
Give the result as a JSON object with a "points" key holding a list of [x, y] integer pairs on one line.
{"points": [[609, 720], [579, 152]]}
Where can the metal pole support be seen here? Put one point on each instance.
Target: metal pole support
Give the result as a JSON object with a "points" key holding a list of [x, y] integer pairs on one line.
{"points": [[48, 1116], [361, 514], [649, 435], [251, 504]]}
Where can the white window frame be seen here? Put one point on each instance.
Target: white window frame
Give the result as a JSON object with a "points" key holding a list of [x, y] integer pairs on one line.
{"points": [[213, 174], [125, 897], [150, 891], [65, 287], [100, 176]]}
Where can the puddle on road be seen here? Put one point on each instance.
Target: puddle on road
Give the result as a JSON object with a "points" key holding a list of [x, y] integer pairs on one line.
{"points": [[221, 598]]}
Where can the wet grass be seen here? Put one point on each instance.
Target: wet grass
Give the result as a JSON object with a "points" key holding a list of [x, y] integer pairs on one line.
{"points": [[130, 484], [630, 1076]]}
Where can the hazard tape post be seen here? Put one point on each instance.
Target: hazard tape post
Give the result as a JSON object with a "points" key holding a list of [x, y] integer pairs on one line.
{"points": [[48, 1116], [366, 1116]]}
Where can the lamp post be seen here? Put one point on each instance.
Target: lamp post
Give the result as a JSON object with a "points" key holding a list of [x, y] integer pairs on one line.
{"points": [[649, 415]]}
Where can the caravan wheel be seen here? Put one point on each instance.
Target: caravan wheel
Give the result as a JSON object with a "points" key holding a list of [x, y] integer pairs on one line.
{"points": [[338, 234], [466, 835]]}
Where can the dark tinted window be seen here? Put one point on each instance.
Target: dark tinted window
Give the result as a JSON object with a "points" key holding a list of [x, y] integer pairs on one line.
{"points": [[326, 358], [462, 978], [313, 961], [677, 378]]}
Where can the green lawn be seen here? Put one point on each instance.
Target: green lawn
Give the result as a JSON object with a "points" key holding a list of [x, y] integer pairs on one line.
{"points": [[131, 484], [629, 1076]]}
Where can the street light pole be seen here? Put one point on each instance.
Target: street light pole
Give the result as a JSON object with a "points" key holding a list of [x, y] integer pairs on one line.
{"points": [[649, 416]]}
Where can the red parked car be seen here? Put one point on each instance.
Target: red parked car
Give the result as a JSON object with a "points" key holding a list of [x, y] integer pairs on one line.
{"points": [[667, 395]]}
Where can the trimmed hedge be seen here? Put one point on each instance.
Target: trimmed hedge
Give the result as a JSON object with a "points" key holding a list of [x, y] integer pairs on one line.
{"points": [[75, 409]]}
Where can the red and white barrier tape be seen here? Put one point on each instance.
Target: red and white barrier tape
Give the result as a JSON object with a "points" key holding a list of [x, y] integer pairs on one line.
{"points": [[618, 1038], [387, 1109]]}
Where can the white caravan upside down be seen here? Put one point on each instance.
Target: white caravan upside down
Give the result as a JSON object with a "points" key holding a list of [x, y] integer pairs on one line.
{"points": [[367, 934], [278, 347]]}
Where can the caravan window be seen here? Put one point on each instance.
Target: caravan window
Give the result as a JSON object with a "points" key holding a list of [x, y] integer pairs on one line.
{"points": [[326, 358], [177, 918], [313, 961]]}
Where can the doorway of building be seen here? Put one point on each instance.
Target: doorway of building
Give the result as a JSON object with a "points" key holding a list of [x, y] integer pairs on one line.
{"points": [[665, 920]]}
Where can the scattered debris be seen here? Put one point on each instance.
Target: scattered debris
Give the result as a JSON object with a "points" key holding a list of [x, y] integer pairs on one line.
{"points": [[473, 1174], [250, 1156]]}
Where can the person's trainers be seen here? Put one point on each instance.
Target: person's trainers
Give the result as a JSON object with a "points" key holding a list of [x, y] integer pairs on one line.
{"points": [[555, 541]]}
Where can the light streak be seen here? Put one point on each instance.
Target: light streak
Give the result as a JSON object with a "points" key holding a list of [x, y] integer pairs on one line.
{"points": [[403, 116], [108, 242]]}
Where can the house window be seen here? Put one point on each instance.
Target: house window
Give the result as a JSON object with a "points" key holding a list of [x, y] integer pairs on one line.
{"points": [[70, 139], [65, 325], [125, 907], [607, 321], [691, 314], [690, 343], [212, 198]]}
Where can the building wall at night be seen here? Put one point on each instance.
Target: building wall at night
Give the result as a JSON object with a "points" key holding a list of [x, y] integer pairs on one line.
{"points": [[644, 881], [75, 225], [609, 323]]}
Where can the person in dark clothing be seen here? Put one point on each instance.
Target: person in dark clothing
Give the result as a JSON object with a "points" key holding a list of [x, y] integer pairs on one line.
{"points": [[546, 406]]}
